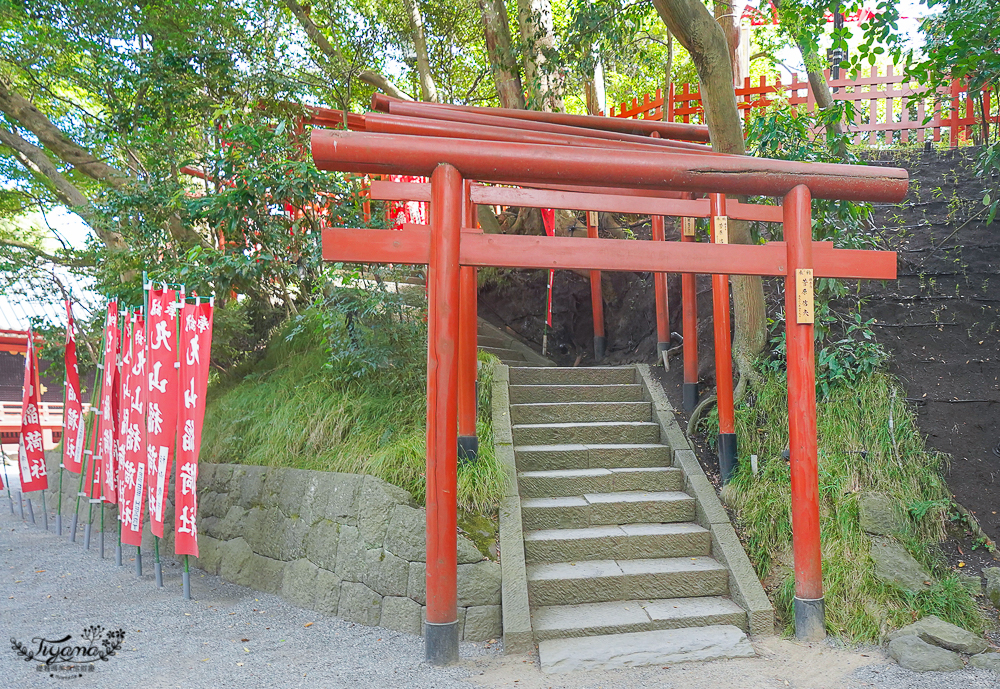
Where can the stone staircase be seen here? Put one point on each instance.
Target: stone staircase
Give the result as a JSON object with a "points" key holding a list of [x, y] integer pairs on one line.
{"points": [[611, 543], [507, 347]]}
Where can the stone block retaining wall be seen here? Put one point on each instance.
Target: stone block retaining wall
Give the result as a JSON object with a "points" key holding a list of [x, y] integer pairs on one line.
{"points": [[342, 544]]}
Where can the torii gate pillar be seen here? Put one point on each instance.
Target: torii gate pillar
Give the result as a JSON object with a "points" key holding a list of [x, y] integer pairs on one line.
{"points": [[443, 298], [809, 612]]}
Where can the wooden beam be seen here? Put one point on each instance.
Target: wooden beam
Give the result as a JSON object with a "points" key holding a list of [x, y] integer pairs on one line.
{"points": [[412, 246]]}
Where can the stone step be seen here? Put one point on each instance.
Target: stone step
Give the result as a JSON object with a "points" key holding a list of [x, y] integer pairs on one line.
{"points": [[599, 509], [520, 394], [661, 647], [576, 375], [598, 581], [545, 484], [628, 616], [614, 542], [492, 340], [504, 354], [590, 433], [578, 412], [580, 456]]}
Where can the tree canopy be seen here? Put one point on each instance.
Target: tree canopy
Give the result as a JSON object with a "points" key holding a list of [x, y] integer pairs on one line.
{"points": [[170, 126]]}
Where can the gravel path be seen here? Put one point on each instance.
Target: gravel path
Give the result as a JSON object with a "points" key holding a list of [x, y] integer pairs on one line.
{"points": [[231, 636]]}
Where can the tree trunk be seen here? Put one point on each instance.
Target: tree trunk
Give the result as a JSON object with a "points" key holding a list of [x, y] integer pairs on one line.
{"points": [[339, 61], [534, 18], [499, 47], [725, 15], [594, 89], [668, 77], [51, 137], [428, 90], [704, 39], [820, 88]]}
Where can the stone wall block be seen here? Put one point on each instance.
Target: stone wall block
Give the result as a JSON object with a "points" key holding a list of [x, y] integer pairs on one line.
{"points": [[231, 524], [299, 584], [406, 535], [262, 573], [401, 614], [416, 582], [479, 584], [297, 493], [212, 504], [467, 551], [338, 497], [385, 573], [293, 546], [350, 554], [265, 531], [482, 623], [234, 556], [327, 592], [210, 552], [358, 603], [378, 499], [321, 544]]}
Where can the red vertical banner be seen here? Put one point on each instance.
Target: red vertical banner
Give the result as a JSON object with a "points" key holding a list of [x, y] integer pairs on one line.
{"points": [[92, 482], [106, 426], [133, 466], [124, 399], [31, 455], [196, 349], [163, 396], [73, 426]]}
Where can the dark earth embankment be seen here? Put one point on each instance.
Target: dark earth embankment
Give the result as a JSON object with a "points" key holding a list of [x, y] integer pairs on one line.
{"points": [[938, 320]]}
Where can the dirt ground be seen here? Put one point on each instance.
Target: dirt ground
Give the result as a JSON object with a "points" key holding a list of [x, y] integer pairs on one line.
{"points": [[231, 636]]}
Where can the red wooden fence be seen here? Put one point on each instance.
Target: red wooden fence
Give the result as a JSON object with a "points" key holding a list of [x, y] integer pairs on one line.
{"points": [[884, 105]]}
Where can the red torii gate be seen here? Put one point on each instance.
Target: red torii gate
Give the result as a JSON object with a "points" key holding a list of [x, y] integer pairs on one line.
{"points": [[445, 248]]}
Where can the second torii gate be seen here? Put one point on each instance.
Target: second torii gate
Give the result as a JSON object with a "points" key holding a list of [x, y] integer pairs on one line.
{"points": [[445, 248]]}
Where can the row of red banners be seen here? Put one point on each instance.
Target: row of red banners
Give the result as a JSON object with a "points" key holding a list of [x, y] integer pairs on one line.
{"points": [[150, 391]]}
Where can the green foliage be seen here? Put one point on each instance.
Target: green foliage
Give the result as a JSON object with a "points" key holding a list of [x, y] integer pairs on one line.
{"points": [[962, 40], [841, 362], [988, 171], [859, 451], [298, 407], [783, 133]]}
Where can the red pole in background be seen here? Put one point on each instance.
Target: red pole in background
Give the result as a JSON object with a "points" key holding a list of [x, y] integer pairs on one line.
{"points": [[689, 301], [549, 221], [596, 297], [468, 442], [799, 316], [441, 635], [723, 346], [662, 305]]}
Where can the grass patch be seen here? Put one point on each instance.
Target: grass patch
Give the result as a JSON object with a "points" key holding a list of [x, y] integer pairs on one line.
{"points": [[859, 451], [291, 411]]}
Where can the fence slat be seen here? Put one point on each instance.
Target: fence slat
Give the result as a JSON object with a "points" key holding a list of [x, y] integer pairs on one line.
{"points": [[953, 107]]}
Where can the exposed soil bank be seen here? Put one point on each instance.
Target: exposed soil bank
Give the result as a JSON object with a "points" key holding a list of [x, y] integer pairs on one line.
{"points": [[938, 320]]}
